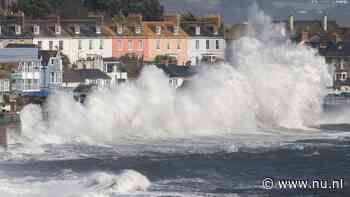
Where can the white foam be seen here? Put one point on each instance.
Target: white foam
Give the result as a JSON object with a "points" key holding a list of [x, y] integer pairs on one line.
{"points": [[127, 181], [99, 184]]}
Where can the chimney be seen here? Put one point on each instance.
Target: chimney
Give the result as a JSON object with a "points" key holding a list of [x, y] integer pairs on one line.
{"points": [[77, 29], [36, 29], [304, 36], [98, 29], [57, 29], [177, 24], [198, 30], [291, 23], [120, 29], [325, 23]]}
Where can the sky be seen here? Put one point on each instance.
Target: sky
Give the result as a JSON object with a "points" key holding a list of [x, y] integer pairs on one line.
{"points": [[235, 11]]}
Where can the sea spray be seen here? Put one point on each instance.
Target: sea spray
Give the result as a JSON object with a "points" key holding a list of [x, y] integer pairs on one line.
{"points": [[271, 82]]}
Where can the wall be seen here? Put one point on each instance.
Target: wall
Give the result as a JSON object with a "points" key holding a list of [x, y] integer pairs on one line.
{"points": [[121, 46], [180, 54]]}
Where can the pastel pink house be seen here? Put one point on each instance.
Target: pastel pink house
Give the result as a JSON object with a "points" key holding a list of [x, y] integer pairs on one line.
{"points": [[129, 38]]}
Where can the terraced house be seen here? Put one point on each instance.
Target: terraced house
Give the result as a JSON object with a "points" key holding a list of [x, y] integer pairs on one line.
{"points": [[206, 41], [78, 39], [129, 37], [13, 30], [166, 38]]}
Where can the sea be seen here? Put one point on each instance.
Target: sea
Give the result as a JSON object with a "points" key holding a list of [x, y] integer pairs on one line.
{"points": [[228, 165]]}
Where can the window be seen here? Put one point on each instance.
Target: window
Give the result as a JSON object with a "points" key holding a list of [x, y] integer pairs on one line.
{"points": [[52, 77], [179, 44], [207, 45], [197, 44], [50, 45], [60, 44], [141, 44], [101, 44], [341, 64], [158, 29], [168, 45], [129, 44], [217, 44], [40, 44], [80, 45], [158, 44], [90, 44], [119, 44]]}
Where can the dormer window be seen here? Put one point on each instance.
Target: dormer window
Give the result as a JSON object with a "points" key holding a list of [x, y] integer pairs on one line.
{"points": [[98, 29], [77, 29], [158, 29], [18, 29], [57, 29], [138, 29], [176, 29], [198, 30], [120, 29], [36, 30]]}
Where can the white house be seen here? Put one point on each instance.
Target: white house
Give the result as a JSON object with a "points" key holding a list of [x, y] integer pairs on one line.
{"points": [[39, 75], [94, 77], [76, 39], [205, 42], [205, 49], [112, 68], [28, 76], [52, 69]]}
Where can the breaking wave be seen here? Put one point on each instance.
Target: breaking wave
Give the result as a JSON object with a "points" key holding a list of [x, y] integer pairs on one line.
{"points": [[100, 184], [270, 82]]}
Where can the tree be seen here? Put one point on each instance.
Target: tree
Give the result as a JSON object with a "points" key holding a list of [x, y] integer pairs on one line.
{"points": [[34, 8], [188, 16], [150, 9], [132, 65], [165, 59]]}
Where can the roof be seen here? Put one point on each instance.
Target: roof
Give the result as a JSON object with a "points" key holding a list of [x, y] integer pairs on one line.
{"points": [[47, 27], [45, 56], [83, 88], [71, 76], [128, 26], [111, 59], [341, 49], [177, 71], [15, 45], [167, 29], [83, 74], [18, 54], [205, 30], [209, 26]]}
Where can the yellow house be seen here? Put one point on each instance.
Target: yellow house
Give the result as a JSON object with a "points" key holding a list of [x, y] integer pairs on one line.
{"points": [[166, 38]]}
